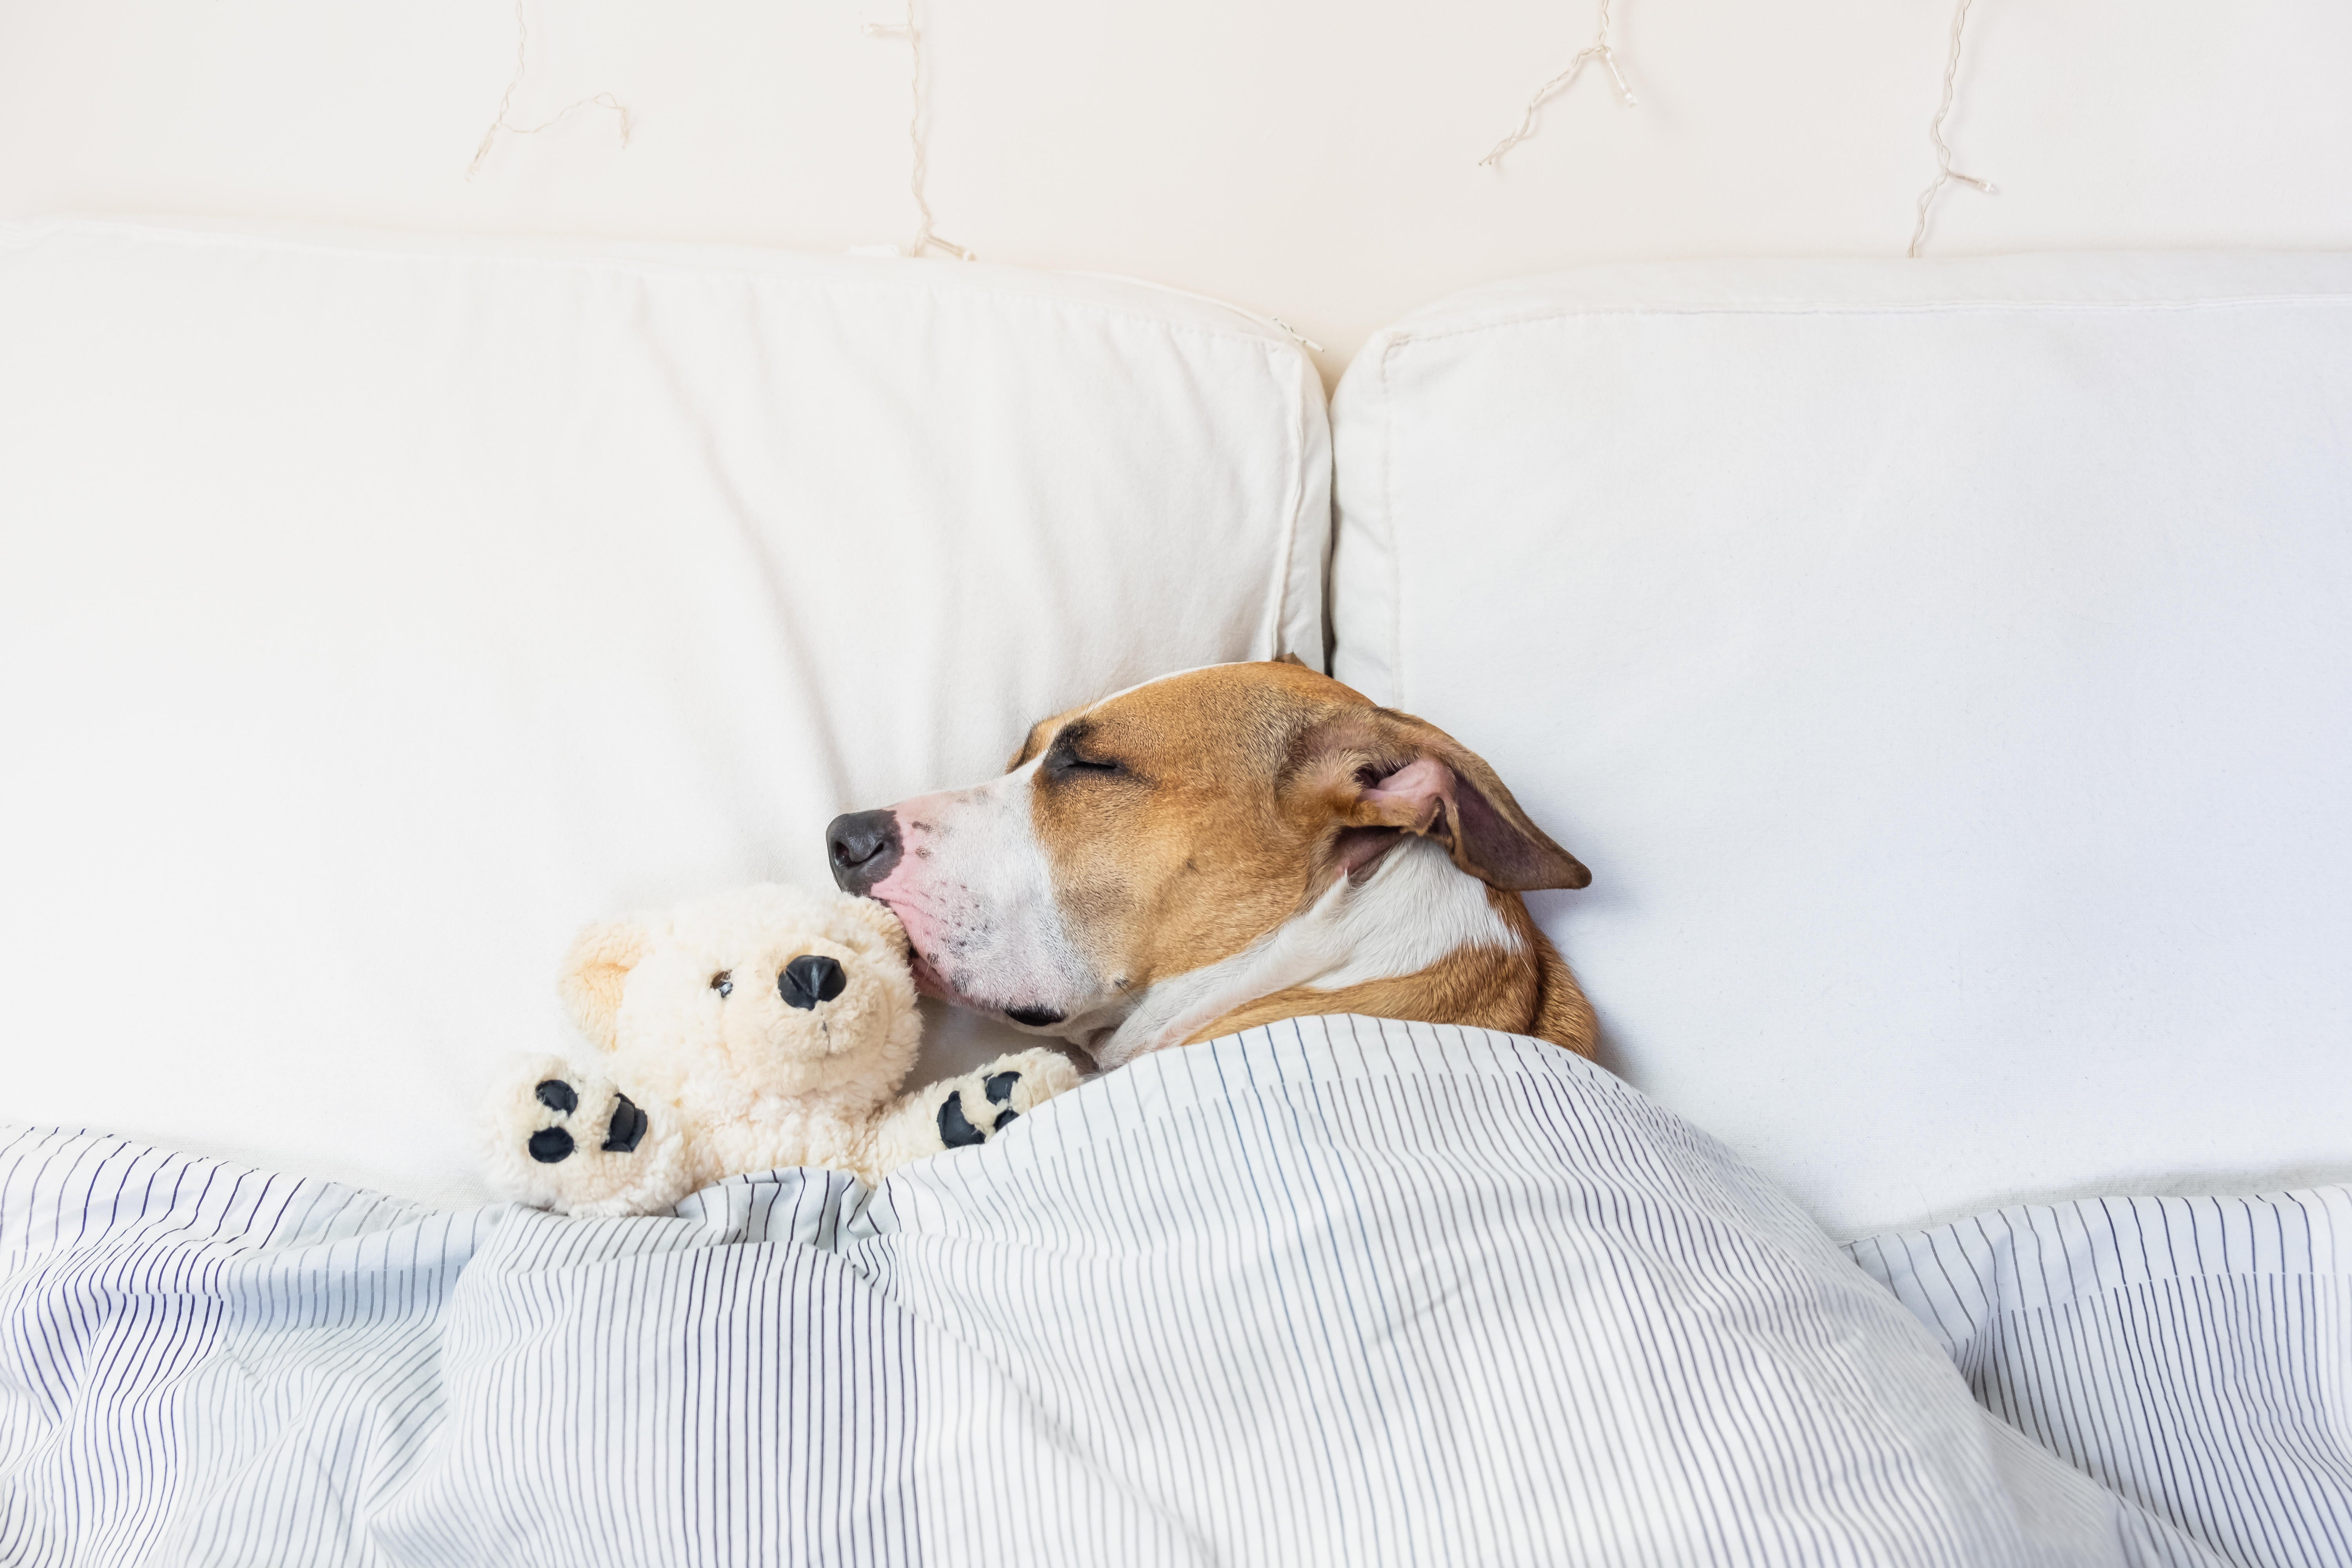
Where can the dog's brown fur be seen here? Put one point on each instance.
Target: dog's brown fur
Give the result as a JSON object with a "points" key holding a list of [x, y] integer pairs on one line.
{"points": [[1236, 795]]}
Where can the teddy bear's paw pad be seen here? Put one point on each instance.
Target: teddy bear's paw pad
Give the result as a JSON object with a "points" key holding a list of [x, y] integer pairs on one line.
{"points": [[966, 1118], [624, 1129], [956, 1129], [627, 1128]]}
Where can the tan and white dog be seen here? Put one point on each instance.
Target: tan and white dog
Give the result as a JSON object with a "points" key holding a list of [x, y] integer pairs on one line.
{"points": [[1217, 849]]}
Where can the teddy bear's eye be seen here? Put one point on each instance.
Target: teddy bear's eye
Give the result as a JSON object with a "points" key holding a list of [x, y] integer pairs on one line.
{"points": [[723, 983]]}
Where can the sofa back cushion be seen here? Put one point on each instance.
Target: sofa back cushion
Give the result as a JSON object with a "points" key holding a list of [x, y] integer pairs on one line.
{"points": [[375, 612], [1945, 670]]}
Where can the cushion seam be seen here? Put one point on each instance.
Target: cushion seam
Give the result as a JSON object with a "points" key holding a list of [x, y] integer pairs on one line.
{"points": [[1952, 308], [642, 268]]}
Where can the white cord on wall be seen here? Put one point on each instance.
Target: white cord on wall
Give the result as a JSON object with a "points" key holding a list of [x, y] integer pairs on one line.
{"points": [[506, 101], [906, 27], [1945, 173], [1598, 49]]}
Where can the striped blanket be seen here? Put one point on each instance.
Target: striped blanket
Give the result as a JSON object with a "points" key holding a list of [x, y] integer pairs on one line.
{"points": [[1339, 1290]]}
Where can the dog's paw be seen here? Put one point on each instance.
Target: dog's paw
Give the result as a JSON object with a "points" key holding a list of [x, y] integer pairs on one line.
{"points": [[982, 1103], [575, 1141]]}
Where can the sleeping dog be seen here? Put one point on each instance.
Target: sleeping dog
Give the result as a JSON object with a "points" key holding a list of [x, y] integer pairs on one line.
{"points": [[1218, 849]]}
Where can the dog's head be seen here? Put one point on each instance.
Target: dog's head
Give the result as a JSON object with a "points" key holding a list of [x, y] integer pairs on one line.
{"points": [[1168, 828]]}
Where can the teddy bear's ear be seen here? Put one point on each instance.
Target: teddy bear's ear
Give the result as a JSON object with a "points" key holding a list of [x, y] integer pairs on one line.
{"points": [[600, 960]]}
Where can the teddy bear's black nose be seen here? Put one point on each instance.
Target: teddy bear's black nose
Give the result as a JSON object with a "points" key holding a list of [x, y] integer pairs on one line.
{"points": [[810, 979], [863, 847]]}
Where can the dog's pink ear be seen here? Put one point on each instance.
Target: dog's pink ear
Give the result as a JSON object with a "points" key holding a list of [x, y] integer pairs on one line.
{"points": [[1449, 794], [1414, 797], [594, 971]]}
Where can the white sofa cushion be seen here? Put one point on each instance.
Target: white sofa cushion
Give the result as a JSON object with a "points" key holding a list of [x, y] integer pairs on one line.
{"points": [[375, 611], [1945, 668]]}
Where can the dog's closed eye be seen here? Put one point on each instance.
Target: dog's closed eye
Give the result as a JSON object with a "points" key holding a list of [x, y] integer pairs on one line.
{"points": [[1072, 754]]}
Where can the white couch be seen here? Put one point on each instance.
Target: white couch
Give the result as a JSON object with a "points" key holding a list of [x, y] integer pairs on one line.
{"points": [[1943, 666], [1943, 670]]}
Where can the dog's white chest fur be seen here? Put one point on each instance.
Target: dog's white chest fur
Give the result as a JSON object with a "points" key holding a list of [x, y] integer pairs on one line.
{"points": [[1413, 911]]}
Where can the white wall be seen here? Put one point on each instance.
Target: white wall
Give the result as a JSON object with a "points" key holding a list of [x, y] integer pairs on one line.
{"points": [[1311, 159]]}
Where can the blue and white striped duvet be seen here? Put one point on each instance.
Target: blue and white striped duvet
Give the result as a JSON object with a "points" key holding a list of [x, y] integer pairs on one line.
{"points": [[2195, 1354], [1336, 1291]]}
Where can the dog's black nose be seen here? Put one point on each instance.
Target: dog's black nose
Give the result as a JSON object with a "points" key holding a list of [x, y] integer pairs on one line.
{"points": [[810, 979], [863, 846]]}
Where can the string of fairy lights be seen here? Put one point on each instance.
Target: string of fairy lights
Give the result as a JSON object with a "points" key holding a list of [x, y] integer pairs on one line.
{"points": [[1945, 173], [506, 103], [1598, 49], [1602, 51], [897, 20]]}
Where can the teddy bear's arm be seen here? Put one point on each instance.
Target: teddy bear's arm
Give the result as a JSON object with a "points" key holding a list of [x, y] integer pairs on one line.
{"points": [[571, 1140], [956, 1112]]}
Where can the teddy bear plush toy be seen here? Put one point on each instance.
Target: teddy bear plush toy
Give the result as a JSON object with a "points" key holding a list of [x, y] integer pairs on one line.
{"points": [[753, 1029]]}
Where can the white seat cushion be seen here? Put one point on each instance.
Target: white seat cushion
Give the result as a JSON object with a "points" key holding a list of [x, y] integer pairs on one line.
{"points": [[375, 612], [1945, 668]]}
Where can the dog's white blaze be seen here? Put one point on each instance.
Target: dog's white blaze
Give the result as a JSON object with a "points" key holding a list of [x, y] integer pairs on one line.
{"points": [[1416, 907], [986, 918]]}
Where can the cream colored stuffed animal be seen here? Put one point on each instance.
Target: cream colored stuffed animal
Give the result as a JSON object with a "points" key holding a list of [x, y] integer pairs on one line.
{"points": [[751, 1030]]}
